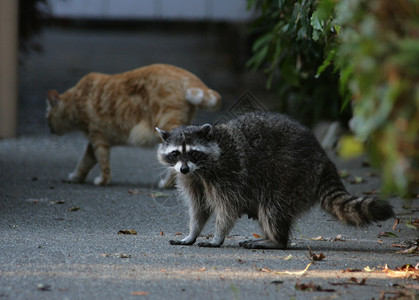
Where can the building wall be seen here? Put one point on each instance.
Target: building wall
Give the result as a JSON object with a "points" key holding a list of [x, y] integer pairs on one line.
{"points": [[217, 10]]}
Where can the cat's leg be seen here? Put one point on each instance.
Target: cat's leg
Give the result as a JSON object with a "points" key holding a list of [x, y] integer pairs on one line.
{"points": [[276, 228], [199, 215], [223, 224], [101, 149], [169, 180], [85, 164]]}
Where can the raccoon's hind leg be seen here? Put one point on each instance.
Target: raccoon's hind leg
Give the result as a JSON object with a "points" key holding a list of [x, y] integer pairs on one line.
{"points": [[276, 228], [86, 163]]}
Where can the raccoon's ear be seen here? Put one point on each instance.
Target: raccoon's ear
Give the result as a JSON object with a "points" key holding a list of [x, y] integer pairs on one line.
{"points": [[164, 135], [53, 97], [206, 131]]}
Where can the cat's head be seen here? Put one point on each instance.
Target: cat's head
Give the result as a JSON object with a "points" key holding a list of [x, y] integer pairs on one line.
{"points": [[187, 149], [56, 114]]}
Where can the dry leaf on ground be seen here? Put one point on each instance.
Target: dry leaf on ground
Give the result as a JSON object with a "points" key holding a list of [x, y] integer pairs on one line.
{"points": [[129, 231], [397, 221], [257, 236], [139, 293], [318, 238], [349, 270], [311, 287], [386, 234], [405, 271], [122, 255], [298, 273], [315, 257]]}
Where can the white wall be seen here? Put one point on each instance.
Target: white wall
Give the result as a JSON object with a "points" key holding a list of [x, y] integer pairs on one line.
{"points": [[228, 10]]}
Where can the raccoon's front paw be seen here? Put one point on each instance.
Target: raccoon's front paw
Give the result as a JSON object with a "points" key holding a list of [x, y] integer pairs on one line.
{"points": [[100, 180], [181, 242], [75, 177], [208, 244]]}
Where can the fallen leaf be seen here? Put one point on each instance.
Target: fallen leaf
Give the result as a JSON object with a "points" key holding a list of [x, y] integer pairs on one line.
{"points": [[289, 257], [139, 293], [266, 270], [276, 282], [386, 234], [405, 271], [36, 201], [397, 221], [105, 255], [159, 195], [352, 280], [349, 270], [311, 287], [355, 280], [410, 250], [129, 231], [357, 180], [44, 287], [202, 269], [122, 255], [257, 236], [399, 245], [161, 233], [343, 173], [136, 192], [315, 257], [338, 238], [57, 202], [178, 233], [373, 192], [368, 269], [380, 242], [240, 261], [413, 224], [74, 208], [292, 272], [318, 238]]}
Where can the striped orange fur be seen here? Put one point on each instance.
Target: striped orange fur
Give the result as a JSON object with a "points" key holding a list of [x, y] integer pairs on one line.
{"points": [[124, 109]]}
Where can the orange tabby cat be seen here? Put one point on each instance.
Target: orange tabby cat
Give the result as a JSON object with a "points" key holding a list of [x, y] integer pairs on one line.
{"points": [[124, 109]]}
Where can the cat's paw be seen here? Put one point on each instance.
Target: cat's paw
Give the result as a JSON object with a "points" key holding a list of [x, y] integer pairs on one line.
{"points": [[75, 177], [100, 180]]}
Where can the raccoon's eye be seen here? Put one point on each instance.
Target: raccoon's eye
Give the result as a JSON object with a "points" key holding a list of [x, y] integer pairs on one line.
{"points": [[173, 155], [197, 155]]}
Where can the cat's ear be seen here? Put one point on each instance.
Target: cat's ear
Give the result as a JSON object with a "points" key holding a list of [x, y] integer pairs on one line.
{"points": [[206, 131], [53, 98], [164, 135]]}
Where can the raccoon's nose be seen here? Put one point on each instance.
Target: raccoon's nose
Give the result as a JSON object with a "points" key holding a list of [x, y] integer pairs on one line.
{"points": [[184, 169]]}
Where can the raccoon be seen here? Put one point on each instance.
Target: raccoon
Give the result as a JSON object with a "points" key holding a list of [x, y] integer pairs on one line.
{"points": [[265, 165]]}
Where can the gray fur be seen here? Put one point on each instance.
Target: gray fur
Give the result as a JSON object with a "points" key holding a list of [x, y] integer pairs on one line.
{"points": [[265, 165]]}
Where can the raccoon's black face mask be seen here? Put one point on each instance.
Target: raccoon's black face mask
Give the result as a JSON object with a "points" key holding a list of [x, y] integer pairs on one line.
{"points": [[188, 149]]}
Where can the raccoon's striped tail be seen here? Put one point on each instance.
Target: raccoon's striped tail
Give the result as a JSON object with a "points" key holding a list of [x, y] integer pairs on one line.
{"points": [[349, 209], [204, 98]]}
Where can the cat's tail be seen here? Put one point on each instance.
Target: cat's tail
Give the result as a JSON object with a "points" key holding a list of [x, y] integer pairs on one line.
{"points": [[350, 209], [204, 98]]}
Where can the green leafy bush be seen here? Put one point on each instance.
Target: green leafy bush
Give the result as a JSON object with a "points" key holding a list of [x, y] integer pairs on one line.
{"points": [[374, 48], [378, 53], [290, 46]]}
